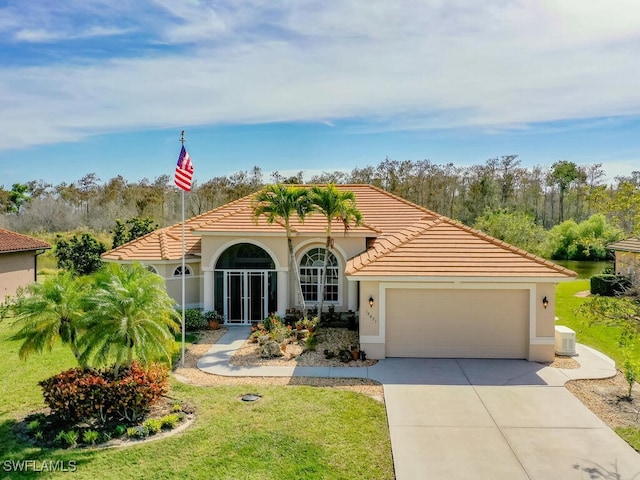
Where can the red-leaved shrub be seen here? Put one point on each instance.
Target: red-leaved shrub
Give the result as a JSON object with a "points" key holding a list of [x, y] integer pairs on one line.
{"points": [[78, 395]]}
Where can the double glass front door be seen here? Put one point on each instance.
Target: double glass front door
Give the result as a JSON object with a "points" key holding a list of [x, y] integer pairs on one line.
{"points": [[246, 295], [245, 287]]}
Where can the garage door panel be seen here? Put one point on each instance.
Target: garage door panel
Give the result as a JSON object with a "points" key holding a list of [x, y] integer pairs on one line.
{"points": [[457, 323]]}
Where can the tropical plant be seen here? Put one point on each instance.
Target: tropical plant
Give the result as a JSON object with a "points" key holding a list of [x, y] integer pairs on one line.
{"points": [[334, 204], [49, 312], [279, 202], [129, 316], [90, 395], [90, 437], [67, 439]]}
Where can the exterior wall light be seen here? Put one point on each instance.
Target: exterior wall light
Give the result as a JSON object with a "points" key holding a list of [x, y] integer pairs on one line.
{"points": [[545, 302], [371, 301]]}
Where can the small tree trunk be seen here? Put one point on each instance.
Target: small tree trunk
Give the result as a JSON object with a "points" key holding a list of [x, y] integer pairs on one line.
{"points": [[323, 278], [292, 261]]}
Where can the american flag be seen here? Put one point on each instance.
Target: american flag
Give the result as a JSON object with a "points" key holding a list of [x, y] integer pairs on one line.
{"points": [[184, 171]]}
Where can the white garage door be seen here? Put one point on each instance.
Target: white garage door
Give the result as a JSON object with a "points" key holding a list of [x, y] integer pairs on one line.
{"points": [[457, 323]]}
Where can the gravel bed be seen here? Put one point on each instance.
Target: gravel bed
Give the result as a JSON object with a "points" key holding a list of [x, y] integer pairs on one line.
{"points": [[191, 374], [331, 339]]}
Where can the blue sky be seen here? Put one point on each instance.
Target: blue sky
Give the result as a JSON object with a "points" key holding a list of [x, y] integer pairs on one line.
{"points": [[106, 87]]}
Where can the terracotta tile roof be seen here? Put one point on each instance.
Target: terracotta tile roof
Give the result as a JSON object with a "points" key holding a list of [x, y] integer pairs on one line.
{"points": [[631, 244], [410, 240], [163, 244], [238, 217], [17, 242], [445, 248]]}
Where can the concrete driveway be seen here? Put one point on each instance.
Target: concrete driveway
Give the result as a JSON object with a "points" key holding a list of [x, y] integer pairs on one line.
{"points": [[496, 419], [478, 419]]}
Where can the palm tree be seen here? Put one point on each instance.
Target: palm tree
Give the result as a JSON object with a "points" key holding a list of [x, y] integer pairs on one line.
{"points": [[281, 202], [334, 204], [129, 316], [49, 312]]}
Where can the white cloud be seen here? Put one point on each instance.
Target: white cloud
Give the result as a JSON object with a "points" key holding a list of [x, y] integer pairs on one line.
{"points": [[386, 65], [40, 36]]}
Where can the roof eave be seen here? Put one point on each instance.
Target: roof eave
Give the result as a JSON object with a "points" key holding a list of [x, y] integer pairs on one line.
{"points": [[455, 279], [23, 250]]}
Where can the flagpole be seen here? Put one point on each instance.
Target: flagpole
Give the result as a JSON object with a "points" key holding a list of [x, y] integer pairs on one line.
{"points": [[183, 269]]}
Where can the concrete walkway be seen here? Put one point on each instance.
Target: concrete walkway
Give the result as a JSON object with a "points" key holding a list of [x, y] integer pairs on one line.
{"points": [[477, 418]]}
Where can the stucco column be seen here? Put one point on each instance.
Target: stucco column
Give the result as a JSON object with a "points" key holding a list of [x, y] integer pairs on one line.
{"points": [[208, 290], [283, 291], [352, 292]]}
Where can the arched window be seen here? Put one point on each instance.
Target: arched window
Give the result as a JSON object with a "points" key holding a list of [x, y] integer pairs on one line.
{"points": [[178, 271], [311, 267], [152, 269], [245, 256]]}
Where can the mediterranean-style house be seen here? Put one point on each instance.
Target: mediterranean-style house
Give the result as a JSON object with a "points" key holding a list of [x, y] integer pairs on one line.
{"points": [[18, 261], [421, 284], [627, 257]]}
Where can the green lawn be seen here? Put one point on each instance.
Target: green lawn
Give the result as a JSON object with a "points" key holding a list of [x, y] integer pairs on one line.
{"points": [[602, 338], [292, 432]]}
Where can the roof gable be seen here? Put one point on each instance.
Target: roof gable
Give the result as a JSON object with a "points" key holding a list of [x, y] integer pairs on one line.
{"points": [[17, 242], [445, 248]]}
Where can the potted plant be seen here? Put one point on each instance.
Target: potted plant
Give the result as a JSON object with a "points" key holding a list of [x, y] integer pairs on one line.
{"points": [[213, 319], [355, 352]]}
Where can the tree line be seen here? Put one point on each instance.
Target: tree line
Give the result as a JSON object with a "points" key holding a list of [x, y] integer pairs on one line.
{"points": [[547, 196]]}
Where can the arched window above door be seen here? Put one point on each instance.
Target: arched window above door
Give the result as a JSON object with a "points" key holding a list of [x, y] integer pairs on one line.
{"points": [[245, 256]]}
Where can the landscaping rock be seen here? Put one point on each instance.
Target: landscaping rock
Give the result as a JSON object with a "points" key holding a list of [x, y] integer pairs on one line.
{"points": [[270, 349]]}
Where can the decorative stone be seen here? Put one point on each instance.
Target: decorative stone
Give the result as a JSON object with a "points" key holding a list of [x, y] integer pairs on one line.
{"points": [[270, 349]]}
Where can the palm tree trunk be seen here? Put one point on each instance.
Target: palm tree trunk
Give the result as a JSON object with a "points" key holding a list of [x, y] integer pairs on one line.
{"points": [[323, 278], [76, 350], [292, 262]]}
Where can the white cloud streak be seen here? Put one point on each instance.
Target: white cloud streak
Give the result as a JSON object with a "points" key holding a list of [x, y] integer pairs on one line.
{"points": [[383, 65]]}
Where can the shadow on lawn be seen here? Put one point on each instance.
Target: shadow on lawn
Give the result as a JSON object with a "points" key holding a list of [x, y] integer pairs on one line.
{"points": [[20, 459]]}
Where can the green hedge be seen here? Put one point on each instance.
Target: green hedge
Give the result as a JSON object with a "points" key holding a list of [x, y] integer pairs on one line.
{"points": [[609, 285], [194, 320]]}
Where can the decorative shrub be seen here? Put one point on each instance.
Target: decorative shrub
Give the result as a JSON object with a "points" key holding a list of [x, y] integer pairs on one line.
{"points": [[138, 432], [67, 439], [268, 322], [33, 425], [153, 425], [194, 320], [609, 285], [311, 342], [78, 395], [170, 421], [90, 437]]}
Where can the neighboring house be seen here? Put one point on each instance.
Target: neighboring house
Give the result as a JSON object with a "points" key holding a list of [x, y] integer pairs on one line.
{"points": [[627, 257], [18, 261], [422, 285]]}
